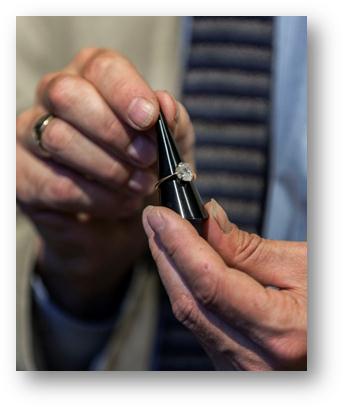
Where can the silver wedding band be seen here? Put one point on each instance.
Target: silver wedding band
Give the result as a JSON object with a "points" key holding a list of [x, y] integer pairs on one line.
{"points": [[38, 130]]}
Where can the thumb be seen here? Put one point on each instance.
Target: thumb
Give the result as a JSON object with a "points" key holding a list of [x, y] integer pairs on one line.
{"points": [[271, 262]]}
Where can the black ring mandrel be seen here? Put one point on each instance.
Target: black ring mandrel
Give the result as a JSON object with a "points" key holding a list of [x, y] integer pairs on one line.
{"points": [[182, 196]]}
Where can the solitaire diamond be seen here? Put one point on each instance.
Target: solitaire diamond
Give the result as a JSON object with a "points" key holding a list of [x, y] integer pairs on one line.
{"points": [[184, 172]]}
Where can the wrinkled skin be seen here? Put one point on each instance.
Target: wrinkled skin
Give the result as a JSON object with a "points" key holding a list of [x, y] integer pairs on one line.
{"points": [[244, 297], [85, 196], [86, 200]]}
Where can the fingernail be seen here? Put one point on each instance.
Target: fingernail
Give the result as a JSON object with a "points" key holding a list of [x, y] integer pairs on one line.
{"points": [[142, 181], [219, 215], [142, 150], [154, 218], [141, 112]]}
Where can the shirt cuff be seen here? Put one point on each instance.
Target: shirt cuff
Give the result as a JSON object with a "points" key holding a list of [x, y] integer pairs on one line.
{"points": [[66, 343]]}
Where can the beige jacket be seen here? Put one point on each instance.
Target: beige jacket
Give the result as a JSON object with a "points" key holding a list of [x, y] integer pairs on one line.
{"points": [[46, 44]]}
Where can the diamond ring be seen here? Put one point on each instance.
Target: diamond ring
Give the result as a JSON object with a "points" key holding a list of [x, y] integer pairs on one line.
{"points": [[183, 172]]}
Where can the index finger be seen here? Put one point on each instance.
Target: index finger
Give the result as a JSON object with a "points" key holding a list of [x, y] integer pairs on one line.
{"points": [[235, 296], [126, 92]]}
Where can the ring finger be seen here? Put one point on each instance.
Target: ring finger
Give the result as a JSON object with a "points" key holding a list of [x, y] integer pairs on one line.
{"points": [[77, 102], [49, 185], [67, 145]]}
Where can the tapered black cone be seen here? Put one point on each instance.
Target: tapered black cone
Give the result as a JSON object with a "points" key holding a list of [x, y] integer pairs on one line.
{"points": [[177, 194]]}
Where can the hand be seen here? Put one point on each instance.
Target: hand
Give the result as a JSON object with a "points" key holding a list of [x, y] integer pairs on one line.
{"points": [[86, 197], [243, 297]]}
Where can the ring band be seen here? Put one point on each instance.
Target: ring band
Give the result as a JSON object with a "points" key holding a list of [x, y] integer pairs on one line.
{"points": [[183, 172], [39, 128]]}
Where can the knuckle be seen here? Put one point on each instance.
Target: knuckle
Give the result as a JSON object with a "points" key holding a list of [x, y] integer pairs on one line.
{"points": [[56, 137], [112, 131], [206, 285], [63, 189], [264, 305], [86, 52], [115, 173], [43, 83], [248, 248], [185, 312], [101, 62], [60, 92]]}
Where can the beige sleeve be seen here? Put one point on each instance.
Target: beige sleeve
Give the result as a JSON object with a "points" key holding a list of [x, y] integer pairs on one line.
{"points": [[27, 243], [46, 44]]}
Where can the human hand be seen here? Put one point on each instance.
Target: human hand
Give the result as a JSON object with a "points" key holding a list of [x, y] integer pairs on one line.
{"points": [[244, 297], [85, 198]]}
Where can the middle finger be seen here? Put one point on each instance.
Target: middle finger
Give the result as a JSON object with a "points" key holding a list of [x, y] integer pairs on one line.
{"points": [[67, 145], [48, 185], [76, 101]]}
